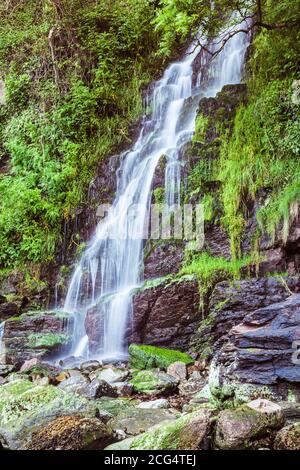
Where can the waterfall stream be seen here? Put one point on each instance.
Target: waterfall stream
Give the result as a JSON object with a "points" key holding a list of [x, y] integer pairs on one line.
{"points": [[111, 266]]}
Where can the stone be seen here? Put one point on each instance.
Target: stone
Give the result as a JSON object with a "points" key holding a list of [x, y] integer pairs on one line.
{"points": [[123, 389], [177, 370], [75, 384], [38, 334], [189, 432], [288, 438], [148, 357], [134, 421], [28, 364], [90, 366], [6, 369], [26, 407], [152, 322], [246, 426], [153, 382], [160, 403], [110, 374], [114, 406], [98, 388], [193, 385], [71, 433]]}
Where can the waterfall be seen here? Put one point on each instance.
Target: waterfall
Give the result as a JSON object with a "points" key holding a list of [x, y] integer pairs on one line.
{"points": [[111, 266], [1, 338]]}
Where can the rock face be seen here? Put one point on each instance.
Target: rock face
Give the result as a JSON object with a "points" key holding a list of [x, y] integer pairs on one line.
{"points": [[36, 335], [260, 349], [166, 314], [248, 427]]}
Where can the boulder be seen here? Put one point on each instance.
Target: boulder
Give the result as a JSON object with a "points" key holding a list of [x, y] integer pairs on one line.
{"points": [[189, 432], [123, 389], [6, 369], [75, 384], [177, 370], [25, 408], [89, 366], [98, 388], [160, 403], [114, 406], [288, 438], [135, 421], [71, 433], [250, 426], [153, 382], [148, 357], [110, 374]]}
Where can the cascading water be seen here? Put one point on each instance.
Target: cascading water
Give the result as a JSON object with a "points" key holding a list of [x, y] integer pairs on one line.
{"points": [[110, 268], [1, 336]]}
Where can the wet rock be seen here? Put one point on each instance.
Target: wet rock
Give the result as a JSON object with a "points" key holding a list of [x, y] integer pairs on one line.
{"points": [[123, 389], [192, 386], [248, 426], [75, 384], [71, 362], [36, 335], [145, 357], [189, 432], [28, 364], [98, 388], [137, 420], [153, 382], [162, 260], [177, 370], [110, 374], [152, 322], [288, 438], [26, 407], [160, 403], [114, 406], [89, 366], [9, 309], [71, 433], [6, 369]]}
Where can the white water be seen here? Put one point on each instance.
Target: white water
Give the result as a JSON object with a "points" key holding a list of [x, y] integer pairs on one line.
{"points": [[1, 337], [110, 267]]}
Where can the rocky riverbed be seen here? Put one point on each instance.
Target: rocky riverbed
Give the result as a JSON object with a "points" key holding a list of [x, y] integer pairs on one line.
{"points": [[160, 399]]}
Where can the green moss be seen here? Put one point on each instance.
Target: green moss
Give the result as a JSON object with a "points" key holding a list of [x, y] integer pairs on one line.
{"points": [[152, 382], [47, 340], [147, 357]]}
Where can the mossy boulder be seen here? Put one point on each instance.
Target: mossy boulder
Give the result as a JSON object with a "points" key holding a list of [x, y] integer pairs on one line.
{"points": [[249, 426], [26, 407], [135, 421], [153, 382], [114, 406], [71, 433], [148, 357], [189, 432], [288, 438]]}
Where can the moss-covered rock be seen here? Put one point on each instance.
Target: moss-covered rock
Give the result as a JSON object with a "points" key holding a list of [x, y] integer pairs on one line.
{"points": [[248, 426], [134, 421], [71, 433], [25, 407], [153, 382], [148, 357], [288, 438], [189, 432], [114, 406]]}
